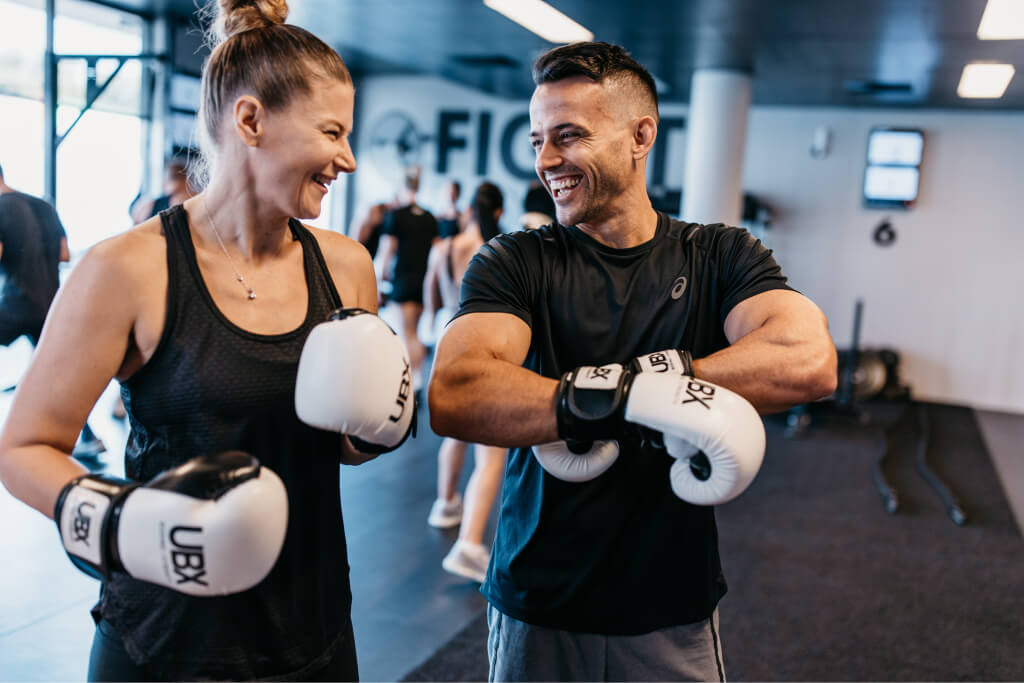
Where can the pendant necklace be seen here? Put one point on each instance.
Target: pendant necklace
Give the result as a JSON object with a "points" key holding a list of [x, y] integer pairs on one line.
{"points": [[238, 275]]}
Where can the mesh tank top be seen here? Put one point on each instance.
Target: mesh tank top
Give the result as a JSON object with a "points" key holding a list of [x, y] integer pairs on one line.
{"points": [[212, 386]]}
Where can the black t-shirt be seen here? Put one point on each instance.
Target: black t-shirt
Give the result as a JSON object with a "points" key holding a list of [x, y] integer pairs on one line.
{"points": [[31, 233], [620, 554], [415, 229]]}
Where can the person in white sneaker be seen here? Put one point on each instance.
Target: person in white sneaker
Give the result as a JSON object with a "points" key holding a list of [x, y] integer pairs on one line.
{"points": [[447, 264]]}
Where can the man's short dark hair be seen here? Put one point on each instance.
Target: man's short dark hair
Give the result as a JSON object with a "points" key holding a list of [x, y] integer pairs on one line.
{"points": [[597, 61]]}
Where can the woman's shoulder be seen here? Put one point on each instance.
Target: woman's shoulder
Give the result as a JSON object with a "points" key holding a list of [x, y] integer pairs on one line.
{"points": [[132, 253], [338, 248]]}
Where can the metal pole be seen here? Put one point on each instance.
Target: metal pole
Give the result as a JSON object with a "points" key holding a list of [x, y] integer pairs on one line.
{"points": [[50, 109]]}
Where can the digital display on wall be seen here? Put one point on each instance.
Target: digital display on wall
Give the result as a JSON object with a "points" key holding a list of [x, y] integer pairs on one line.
{"points": [[892, 174]]}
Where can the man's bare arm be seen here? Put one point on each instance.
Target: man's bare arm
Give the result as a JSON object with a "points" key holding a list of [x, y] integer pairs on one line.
{"points": [[780, 352], [480, 392]]}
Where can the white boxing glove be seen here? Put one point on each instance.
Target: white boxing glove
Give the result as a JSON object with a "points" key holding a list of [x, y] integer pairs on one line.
{"points": [[576, 461], [697, 417], [354, 379], [212, 526]]}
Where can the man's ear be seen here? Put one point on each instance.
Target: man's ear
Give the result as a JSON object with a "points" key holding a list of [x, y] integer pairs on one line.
{"points": [[249, 115], [645, 131]]}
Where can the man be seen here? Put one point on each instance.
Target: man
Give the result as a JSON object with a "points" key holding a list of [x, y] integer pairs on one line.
{"points": [[406, 236], [613, 575], [32, 245]]}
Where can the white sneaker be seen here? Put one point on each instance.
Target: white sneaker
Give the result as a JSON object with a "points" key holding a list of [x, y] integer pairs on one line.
{"points": [[445, 514], [467, 559]]}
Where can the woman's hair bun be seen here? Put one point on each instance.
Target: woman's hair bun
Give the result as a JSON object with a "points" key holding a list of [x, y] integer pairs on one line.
{"points": [[236, 16]]}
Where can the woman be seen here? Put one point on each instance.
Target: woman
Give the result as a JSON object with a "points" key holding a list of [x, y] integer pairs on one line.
{"points": [[449, 259], [201, 313]]}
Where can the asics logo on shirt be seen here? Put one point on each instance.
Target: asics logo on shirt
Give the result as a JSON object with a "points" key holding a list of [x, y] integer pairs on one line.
{"points": [[678, 287]]}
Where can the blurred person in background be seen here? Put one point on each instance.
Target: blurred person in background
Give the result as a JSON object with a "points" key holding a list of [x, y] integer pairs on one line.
{"points": [[448, 220], [407, 234], [449, 259], [33, 244]]}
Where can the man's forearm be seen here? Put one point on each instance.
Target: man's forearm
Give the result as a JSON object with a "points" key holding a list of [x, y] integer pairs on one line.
{"points": [[771, 373], [493, 402]]}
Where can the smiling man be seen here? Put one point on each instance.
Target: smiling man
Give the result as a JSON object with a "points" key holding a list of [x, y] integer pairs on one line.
{"points": [[605, 564]]}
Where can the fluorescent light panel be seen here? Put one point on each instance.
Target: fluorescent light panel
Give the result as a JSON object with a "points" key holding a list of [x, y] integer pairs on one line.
{"points": [[542, 19], [1002, 20], [984, 80]]}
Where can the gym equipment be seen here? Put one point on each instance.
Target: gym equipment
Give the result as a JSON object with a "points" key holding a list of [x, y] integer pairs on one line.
{"points": [[873, 374]]}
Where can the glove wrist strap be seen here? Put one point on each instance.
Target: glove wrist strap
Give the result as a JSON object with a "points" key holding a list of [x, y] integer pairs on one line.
{"points": [[670, 360], [85, 516], [590, 402]]}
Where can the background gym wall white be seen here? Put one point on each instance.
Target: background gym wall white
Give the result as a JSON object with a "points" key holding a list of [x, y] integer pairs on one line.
{"points": [[946, 294]]}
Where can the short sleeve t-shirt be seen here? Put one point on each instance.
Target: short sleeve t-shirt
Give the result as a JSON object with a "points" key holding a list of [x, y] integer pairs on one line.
{"points": [[620, 554], [415, 230], [31, 233]]}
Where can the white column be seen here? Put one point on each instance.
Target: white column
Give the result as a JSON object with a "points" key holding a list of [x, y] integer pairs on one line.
{"points": [[716, 135]]}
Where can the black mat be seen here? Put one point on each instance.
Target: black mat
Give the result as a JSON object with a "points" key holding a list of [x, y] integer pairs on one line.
{"points": [[825, 585]]}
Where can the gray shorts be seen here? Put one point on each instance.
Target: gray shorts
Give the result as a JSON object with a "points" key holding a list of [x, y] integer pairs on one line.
{"points": [[521, 652]]}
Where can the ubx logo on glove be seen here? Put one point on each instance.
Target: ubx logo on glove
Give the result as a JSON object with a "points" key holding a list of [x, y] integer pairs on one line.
{"points": [[81, 522], [706, 391]]}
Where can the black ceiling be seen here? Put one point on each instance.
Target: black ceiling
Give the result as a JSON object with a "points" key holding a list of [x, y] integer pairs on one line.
{"points": [[903, 53]]}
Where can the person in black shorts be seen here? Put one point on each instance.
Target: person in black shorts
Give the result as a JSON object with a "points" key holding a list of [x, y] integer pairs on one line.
{"points": [[33, 244], [406, 236], [202, 313], [604, 567], [469, 556]]}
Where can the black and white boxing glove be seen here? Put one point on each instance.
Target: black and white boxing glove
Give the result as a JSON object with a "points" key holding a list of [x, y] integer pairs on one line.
{"points": [[354, 378], [212, 526], [715, 434]]}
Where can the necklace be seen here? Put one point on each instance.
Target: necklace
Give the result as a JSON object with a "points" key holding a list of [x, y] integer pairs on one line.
{"points": [[238, 276]]}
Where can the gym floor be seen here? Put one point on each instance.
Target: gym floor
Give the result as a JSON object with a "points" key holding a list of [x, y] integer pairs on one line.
{"points": [[402, 596]]}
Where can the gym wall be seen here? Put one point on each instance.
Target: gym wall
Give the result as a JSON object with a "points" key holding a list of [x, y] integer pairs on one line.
{"points": [[944, 294]]}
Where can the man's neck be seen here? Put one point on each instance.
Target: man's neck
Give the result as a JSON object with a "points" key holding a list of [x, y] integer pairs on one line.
{"points": [[624, 228]]}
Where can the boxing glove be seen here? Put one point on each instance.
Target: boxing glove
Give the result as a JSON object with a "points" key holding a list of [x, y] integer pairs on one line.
{"points": [[212, 526], [576, 461], [691, 475], [354, 379], [716, 436]]}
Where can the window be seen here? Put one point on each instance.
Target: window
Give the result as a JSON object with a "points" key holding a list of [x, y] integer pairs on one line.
{"points": [[99, 163]]}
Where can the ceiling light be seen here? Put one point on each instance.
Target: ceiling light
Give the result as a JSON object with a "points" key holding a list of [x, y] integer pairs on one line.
{"points": [[1002, 20], [985, 80], [542, 19]]}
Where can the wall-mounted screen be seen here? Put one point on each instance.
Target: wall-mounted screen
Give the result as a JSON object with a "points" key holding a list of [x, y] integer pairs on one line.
{"points": [[893, 167]]}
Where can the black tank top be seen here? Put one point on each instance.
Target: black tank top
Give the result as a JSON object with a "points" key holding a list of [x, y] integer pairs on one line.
{"points": [[212, 386]]}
